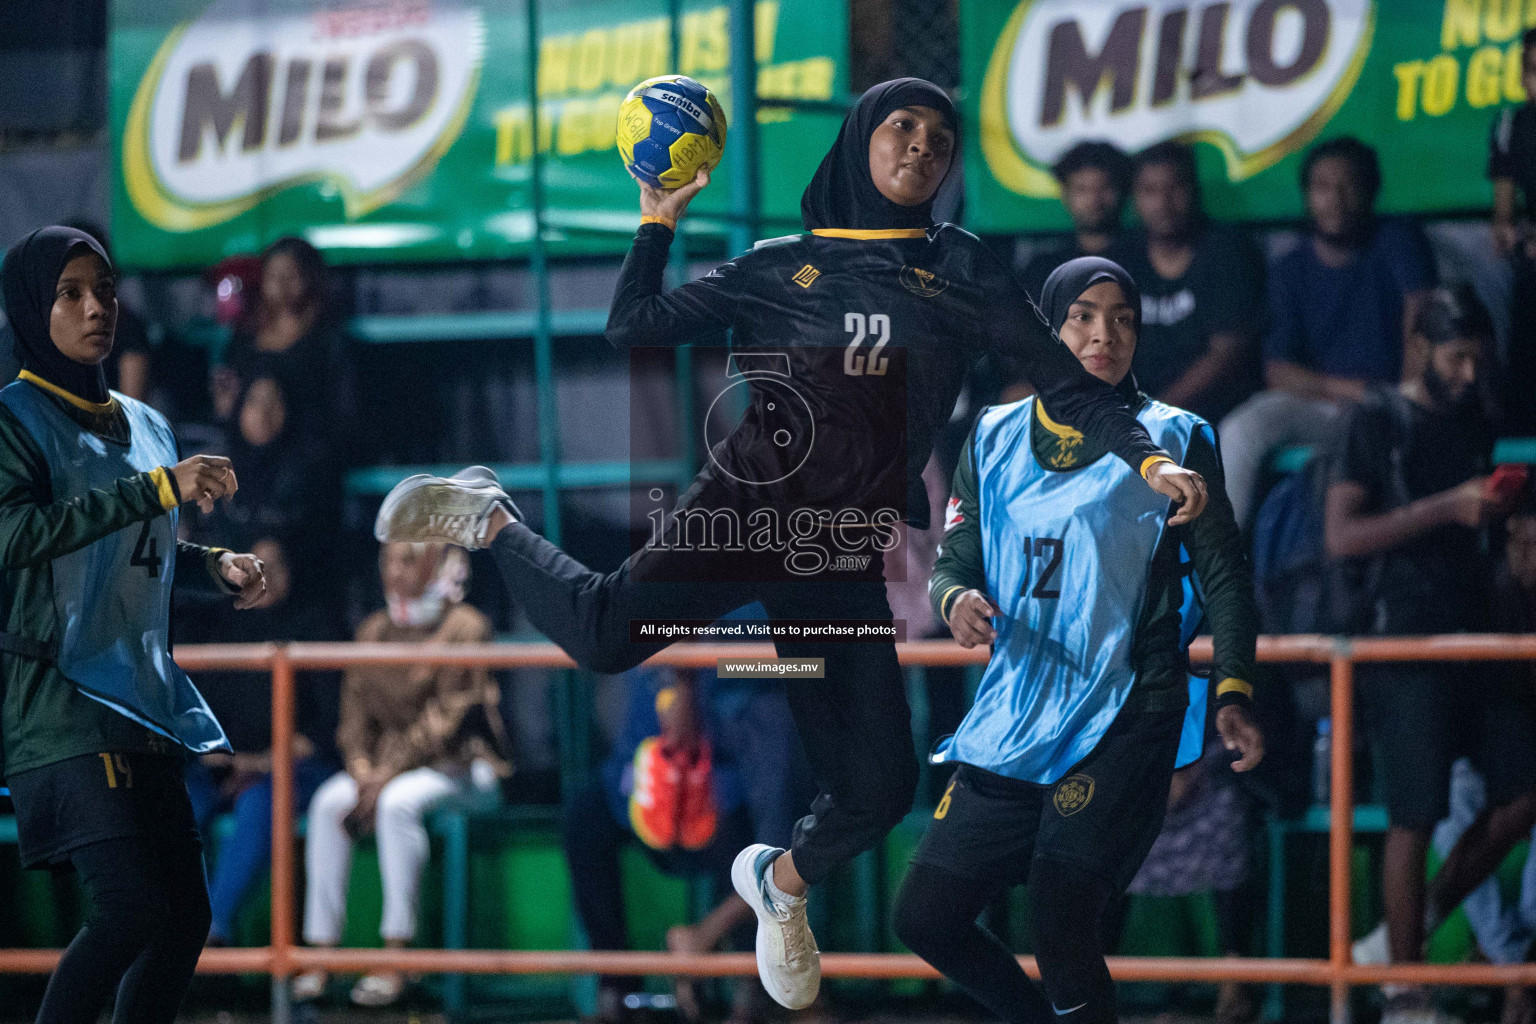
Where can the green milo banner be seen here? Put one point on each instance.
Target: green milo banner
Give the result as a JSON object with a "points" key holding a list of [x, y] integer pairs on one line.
{"points": [[401, 129], [1252, 82]]}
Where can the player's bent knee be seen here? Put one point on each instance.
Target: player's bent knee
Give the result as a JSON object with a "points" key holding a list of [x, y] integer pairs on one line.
{"points": [[611, 657], [1067, 904], [133, 921], [922, 918]]}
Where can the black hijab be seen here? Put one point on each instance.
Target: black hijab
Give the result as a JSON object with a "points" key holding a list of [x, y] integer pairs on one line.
{"points": [[841, 193], [31, 275], [1074, 277]]}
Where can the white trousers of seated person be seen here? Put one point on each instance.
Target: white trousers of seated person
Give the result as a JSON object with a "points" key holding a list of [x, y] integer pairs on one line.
{"points": [[1252, 432], [401, 833]]}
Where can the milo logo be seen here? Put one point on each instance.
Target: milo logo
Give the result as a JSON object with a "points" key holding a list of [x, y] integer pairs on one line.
{"points": [[1255, 78], [355, 100]]}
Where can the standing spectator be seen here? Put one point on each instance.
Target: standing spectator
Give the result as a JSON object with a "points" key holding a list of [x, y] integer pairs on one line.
{"points": [[1512, 168], [297, 339], [410, 737], [1504, 932], [1406, 510], [241, 782], [1200, 287], [1338, 307], [1095, 180], [702, 768]]}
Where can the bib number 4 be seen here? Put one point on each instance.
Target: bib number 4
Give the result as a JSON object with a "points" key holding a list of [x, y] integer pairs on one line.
{"points": [[146, 552]]}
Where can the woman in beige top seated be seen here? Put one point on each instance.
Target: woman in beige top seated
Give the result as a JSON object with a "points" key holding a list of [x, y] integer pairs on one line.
{"points": [[410, 737]]}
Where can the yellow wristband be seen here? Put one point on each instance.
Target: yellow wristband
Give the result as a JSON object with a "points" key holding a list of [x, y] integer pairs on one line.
{"points": [[944, 603], [668, 222], [1231, 685], [163, 489], [1150, 461]]}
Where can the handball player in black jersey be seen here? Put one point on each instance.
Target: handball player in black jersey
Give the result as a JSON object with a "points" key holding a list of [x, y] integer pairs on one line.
{"points": [[854, 340]]}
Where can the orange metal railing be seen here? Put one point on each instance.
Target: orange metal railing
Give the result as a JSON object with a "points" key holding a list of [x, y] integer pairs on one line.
{"points": [[283, 957]]}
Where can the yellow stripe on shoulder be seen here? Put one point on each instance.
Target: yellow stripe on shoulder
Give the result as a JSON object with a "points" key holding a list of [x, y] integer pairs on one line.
{"points": [[99, 408], [1061, 430], [869, 232]]}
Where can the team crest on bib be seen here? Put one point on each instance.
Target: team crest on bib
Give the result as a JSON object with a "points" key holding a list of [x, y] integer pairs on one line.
{"points": [[922, 282], [1073, 794]]}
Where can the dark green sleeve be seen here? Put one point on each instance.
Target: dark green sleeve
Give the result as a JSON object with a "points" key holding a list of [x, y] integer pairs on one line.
{"points": [[959, 566], [34, 528], [199, 566], [1215, 545]]}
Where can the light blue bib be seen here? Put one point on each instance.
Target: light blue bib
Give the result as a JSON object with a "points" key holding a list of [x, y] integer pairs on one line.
{"points": [[113, 596], [1067, 558]]}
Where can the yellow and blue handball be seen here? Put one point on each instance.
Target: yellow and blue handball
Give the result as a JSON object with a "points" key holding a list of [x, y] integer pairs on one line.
{"points": [[669, 127]]}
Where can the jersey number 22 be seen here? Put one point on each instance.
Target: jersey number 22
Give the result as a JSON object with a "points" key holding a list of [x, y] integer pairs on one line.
{"points": [[876, 326]]}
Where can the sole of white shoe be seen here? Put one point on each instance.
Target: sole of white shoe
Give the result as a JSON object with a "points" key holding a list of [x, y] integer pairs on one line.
{"points": [[383, 530], [745, 880]]}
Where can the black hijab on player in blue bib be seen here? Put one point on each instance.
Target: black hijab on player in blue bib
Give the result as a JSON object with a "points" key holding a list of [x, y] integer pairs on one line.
{"points": [[31, 276], [1074, 277], [841, 193]]}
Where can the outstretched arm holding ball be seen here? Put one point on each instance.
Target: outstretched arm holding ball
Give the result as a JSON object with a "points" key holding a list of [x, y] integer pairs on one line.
{"points": [[643, 313], [667, 206]]}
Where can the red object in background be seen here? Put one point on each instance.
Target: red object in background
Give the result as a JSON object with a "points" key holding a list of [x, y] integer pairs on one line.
{"points": [[236, 284], [673, 804], [1508, 481]]}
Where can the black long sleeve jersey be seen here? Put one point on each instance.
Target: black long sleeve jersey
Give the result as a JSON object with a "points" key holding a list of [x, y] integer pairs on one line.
{"points": [[854, 346]]}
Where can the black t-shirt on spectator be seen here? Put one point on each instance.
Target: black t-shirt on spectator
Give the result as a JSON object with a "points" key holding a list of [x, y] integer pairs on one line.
{"points": [[1222, 291], [1438, 581], [1512, 149]]}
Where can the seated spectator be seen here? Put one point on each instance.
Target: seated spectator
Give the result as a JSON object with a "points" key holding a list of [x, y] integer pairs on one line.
{"points": [[1504, 933], [1095, 179], [1407, 511], [1512, 168], [410, 737], [701, 769], [1200, 283], [1338, 306], [241, 783], [297, 338]]}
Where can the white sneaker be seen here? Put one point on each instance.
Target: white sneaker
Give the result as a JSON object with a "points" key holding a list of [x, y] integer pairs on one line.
{"points": [[309, 986], [1415, 1006], [424, 509], [378, 990], [788, 961], [1372, 950]]}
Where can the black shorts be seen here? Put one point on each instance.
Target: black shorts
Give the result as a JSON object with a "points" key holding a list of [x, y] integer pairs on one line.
{"points": [[63, 806], [1421, 717], [1102, 816]]}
